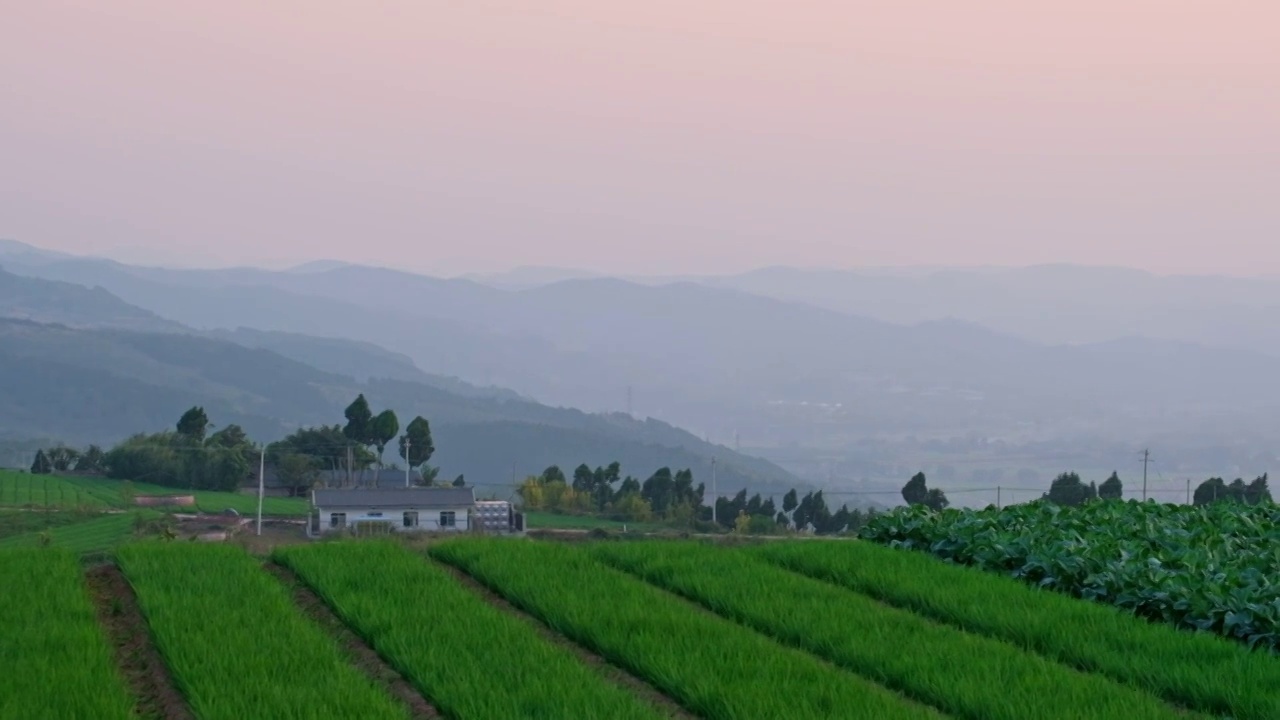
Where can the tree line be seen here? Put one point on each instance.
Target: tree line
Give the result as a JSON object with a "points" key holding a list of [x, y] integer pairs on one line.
{"points": [[1069, 489], [673, 498], [192, 458]]}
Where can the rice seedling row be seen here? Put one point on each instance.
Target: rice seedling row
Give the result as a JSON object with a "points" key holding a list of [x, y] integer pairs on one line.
{"points": [[54, 659], [472, 660], [961, 673], [1213, 568], [70, 492], [101, 533], [44, 491], [208, 501], [1199, 671], [714, 667], [237, 646]]}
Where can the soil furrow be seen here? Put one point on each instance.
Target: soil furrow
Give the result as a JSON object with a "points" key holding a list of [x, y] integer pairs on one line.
{"points": [[612, 672], [139, 660], [358, 652]]}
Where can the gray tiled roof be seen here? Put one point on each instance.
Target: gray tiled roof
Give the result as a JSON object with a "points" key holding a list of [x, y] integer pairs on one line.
{"points": [[417, 497]]}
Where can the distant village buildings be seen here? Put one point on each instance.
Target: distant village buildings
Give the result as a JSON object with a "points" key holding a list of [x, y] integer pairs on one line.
{"points": [[412, 509]]}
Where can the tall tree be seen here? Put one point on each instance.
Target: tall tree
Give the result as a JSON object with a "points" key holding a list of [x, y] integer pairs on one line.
{"points": [[416, 446], [326, 444], [359, 427], [193, 424], [230, 436], [789, 501], [90, 461], [1210, 491], [584, 479], [605, 477], [629, 486], [62, 458], [297, 473], [1111, 488], [659, 490], [41, 465], [233, 437], [916, 491], [936, 499], [383, 430], [460, 481], [1258, 492], [1069, 489], [553, 474], [1236, 491]]}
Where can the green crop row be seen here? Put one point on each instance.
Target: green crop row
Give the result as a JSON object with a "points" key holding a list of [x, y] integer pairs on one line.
{"points": [[713, 667], [15, 522], [236, 644], [23, 489], [100, 533], [967, 675], [472, 660], [1196, 670], [71, 492], [208, 501], [1214, 568], [54, 660]]}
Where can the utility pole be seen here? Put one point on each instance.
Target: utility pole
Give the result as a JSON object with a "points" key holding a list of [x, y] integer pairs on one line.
{"points": [[262, 471], [1146, 458], [407, 444], [1188, 491], [714, 495]]}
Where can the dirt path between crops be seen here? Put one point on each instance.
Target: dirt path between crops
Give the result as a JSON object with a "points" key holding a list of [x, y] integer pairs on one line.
{"points": [[656, 697], [354, 647], [136, 656]]}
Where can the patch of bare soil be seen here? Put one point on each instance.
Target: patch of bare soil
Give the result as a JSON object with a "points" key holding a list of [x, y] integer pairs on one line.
{"points": [[614, 673], [354, 647], [139, 660]]}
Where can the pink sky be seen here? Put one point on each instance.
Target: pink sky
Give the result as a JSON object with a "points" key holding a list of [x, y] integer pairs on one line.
{"points": [[638, 137]]}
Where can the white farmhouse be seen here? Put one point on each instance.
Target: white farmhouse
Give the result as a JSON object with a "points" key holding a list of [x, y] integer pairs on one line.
{"points": [[415, 509]]}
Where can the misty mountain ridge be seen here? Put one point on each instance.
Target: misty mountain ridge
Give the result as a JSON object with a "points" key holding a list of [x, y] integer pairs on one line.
{"points": [[98, 386], [790, 378], [25, 298]]}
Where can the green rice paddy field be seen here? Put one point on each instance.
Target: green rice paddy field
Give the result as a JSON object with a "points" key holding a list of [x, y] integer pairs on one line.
{"points": [[501, 628], [23, 490]]}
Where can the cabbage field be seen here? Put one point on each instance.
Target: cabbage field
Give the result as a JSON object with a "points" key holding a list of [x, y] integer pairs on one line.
{"points": [[495, 628], [1212, 568]]}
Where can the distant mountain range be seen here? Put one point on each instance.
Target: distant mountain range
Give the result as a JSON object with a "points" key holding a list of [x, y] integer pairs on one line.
{"points": [[62, 377], [1052, 304], [798, 364], [74, 305]]}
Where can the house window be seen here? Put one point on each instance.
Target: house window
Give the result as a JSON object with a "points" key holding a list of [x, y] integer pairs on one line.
{"points": [[337, 520], [447, 519], [411, 519]]}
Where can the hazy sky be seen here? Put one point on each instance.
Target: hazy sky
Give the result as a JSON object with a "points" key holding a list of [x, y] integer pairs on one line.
{"points": [[655, 136]]}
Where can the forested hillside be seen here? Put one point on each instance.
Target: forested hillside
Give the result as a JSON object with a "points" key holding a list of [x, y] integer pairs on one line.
{"points": [[83, 386]]}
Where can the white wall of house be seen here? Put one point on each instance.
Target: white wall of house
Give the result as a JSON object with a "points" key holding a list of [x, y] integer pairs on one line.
{"points": [[434, 519]]}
